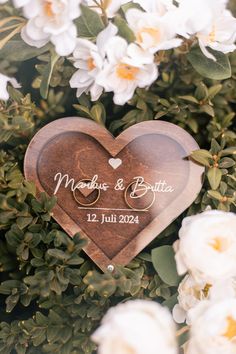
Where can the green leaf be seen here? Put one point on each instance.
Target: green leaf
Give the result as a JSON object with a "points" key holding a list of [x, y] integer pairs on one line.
{"points": [[130, 5], [227, 162], [18, 50], [229, 151], [189, 99], [123, 29], [164, 263], [216, 70], [214, 176], [202, 157], [47, 75], [58, 254], [98, 113], [171, 302], [213, 91], [89, 24], [215, 195]]}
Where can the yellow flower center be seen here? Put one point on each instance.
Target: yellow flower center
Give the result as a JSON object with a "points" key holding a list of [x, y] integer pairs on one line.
{"points": [[48, 9], [91, 64], [231, 328], [154, 33], [127, 72], [206, 290], [218, 244], [212, 35], [106, 3]]}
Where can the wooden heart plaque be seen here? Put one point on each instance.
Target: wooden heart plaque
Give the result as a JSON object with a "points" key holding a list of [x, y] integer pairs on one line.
{"points": [[120, 192]]}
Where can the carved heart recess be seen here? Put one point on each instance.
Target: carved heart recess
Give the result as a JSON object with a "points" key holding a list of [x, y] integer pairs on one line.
{"points": [[156, 151]]}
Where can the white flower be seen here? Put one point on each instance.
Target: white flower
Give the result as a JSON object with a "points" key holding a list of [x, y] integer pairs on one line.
{"points": [[89, 59], [4, 95], [137, 327], [191, 293], [152, 32], [220, 35], [210, 22], [159, 7], [51, 20], [213, 328], [207, 246], [110, 6], [126, 68]]}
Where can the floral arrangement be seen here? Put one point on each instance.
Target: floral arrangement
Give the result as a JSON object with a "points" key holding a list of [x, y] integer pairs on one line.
{"points": [[206, 297], [119, 48], [118, 63]]}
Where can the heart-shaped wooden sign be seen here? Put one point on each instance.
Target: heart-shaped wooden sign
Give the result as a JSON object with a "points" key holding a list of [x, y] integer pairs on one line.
{"points": [[120, 192]]}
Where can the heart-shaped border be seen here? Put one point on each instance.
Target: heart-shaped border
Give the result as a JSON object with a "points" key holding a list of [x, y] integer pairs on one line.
{"points": [[114, 146]]}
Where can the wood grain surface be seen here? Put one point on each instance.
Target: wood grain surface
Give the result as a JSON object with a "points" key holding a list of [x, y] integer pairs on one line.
{"points": [[156, 150]]}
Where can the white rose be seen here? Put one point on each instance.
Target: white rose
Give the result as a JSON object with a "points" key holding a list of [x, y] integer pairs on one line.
{"points": [[207, 246], [210, 22], [213, 328], [51, 21], [136, 327], [192, 292], [153, 32], [89, 60], [4, 95], [127, 67]]}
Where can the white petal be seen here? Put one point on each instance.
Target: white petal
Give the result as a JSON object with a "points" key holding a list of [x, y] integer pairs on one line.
{"points": [[179, 314], [116, 49], [140, 56], [205, 51], [34, 32], [81, 78], [96, 91], [4, 95], [32, 8], [65, 42], [103, 37], [31, 42]]}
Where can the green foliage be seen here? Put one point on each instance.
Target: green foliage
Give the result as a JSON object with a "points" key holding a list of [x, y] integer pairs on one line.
{"points": [[216, 70], [52, 296], [89, 24], [164, 263], [17, 50]]}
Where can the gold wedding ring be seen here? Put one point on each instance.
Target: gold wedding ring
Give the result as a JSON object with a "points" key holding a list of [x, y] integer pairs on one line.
{"points": [[88, 204], [145, 208]]}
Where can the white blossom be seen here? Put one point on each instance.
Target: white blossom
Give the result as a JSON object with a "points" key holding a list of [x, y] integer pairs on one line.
{"points": [[210, 22], [127, 67], [50, 21], [192, 292], [4, 80], [137, 327], [213, 329], [89, 59], [207, 246], [152, 32]]}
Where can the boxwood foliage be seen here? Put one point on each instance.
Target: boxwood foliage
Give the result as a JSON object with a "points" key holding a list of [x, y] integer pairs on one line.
{"points": [[52, 297]]}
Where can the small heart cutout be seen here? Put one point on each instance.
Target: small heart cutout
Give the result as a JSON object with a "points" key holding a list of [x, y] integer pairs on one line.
{"points": [[115, 163]]}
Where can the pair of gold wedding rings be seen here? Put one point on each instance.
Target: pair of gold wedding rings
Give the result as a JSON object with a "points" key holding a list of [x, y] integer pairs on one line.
{"points": [[127, 196]]}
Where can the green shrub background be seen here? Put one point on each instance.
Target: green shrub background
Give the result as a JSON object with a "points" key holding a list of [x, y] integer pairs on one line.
{"points": [[52, 296]]}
